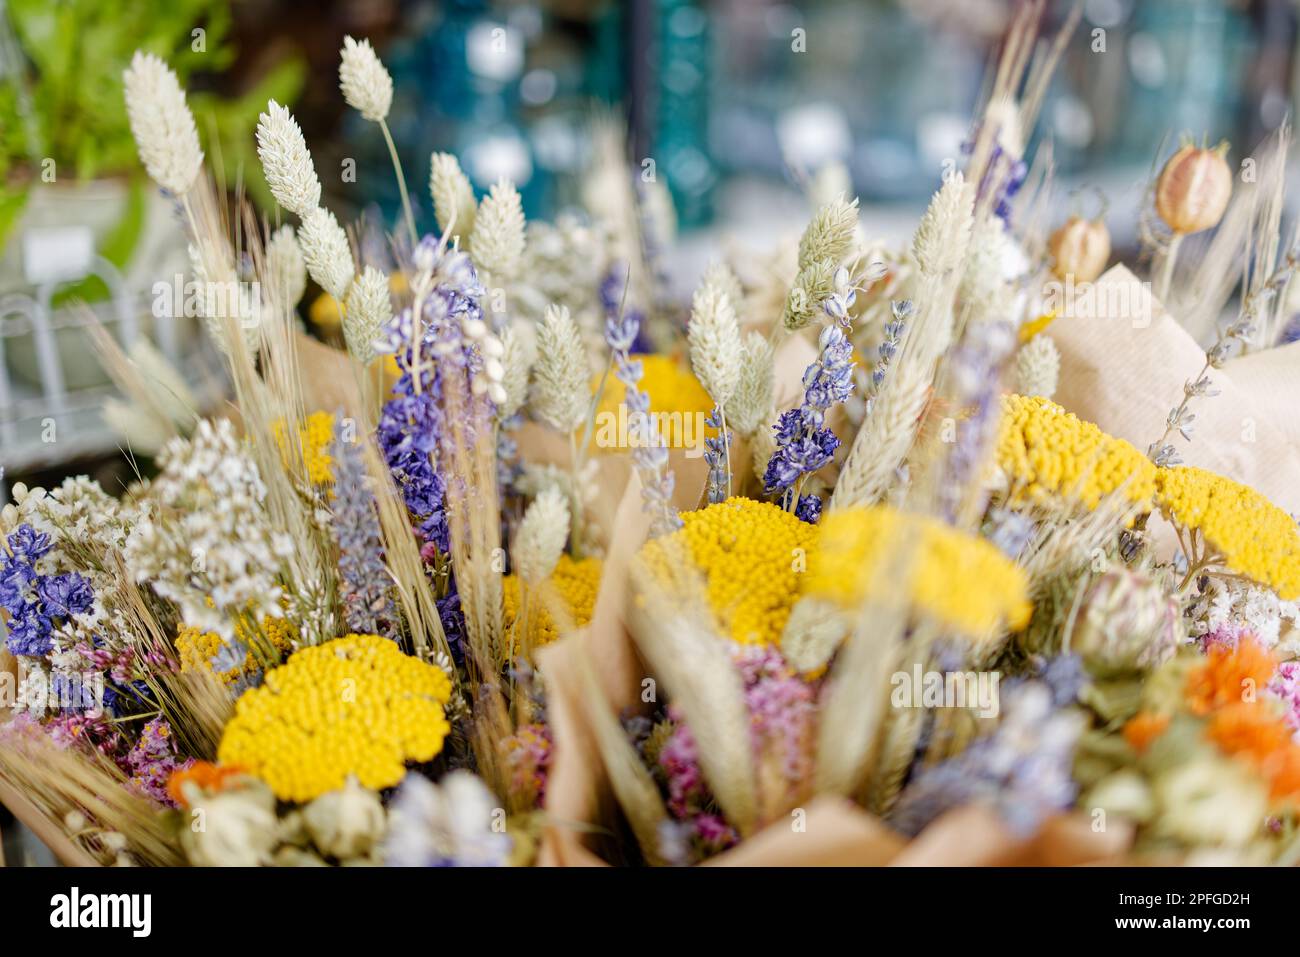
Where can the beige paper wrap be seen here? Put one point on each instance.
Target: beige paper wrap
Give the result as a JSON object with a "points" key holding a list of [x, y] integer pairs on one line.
{"points": [[1125, 374]]}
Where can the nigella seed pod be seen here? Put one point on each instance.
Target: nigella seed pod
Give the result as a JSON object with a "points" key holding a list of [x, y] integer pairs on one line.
{"points": [[1080, 249], [1194, 188]]}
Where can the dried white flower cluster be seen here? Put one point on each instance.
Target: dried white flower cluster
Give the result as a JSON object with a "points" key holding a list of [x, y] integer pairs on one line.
{"points": [[365, 82], [162, 124], [206, 533], [542, 535], [369, 311], [560, 375]]}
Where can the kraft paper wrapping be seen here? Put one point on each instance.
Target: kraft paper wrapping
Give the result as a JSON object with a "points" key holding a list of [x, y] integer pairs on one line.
{"points": [[1125, 375]]}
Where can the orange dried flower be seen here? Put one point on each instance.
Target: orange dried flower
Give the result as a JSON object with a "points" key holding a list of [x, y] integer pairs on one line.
{"points": [[1229, 676], [1143, 728], [1249, 729], [1258, 734], [206, 775]]}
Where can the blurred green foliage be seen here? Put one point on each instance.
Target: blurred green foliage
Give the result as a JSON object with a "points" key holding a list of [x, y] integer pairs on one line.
{"points": [[64, 101]]}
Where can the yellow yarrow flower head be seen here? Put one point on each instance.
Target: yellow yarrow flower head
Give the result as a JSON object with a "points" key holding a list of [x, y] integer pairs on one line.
{"points": [[675, 394], [196, 648], [314, 438], [356, 705], [1253, 536], [575, 581], [749, 556], [882, 556], [1050, 456]]}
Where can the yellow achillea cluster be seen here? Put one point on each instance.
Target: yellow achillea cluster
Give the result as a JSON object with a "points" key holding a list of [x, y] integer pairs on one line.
{"points": [[315, 437], [750, 556], [675, 394], [1251, 535], [1050, 455], [575, 582], [884, 556], [352, 706], [196, 647]]}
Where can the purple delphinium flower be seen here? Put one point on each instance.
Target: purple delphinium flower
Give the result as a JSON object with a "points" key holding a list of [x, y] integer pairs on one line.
{"points": [[809, 509], [412, 432], [37, 602], [1022, 768], [803, 443], [367, 601]]}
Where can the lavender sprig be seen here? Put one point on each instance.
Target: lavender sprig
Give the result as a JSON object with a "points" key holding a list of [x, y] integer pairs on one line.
{"points": [[715, 456], [888, 348], [803, 443], [367, 602], [1240, 330], [650, 455]]}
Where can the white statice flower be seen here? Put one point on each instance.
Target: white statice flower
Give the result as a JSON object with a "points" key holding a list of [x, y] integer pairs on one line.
{"points": [[1229, 609], [33, 694], [162, 124], [286, 161], [455, 823], [365, 83], [207, 534]]}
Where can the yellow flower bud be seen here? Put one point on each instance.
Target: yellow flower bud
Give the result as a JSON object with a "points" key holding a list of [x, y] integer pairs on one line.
{"points": [[1194, 188], [1080, 249]]}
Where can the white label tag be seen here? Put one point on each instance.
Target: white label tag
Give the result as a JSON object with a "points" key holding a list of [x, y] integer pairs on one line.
{"points": [[57, 253]]}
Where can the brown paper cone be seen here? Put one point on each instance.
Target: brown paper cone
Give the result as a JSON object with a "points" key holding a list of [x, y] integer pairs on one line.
{"points": [[1125, 375]]}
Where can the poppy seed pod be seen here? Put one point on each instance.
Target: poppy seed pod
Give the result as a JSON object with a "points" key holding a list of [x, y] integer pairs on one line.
{"points": [[1080, 249], [1194, 188]]}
